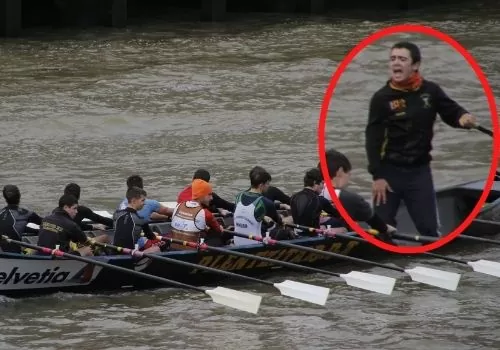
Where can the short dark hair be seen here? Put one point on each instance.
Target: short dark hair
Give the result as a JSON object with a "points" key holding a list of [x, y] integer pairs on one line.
{"points": [[202, 174], [414, 50], [135, 181], [135, 192], [313, 177], [336, 160], [258, 175], [12, 194], [73, 189], [67, 200]]}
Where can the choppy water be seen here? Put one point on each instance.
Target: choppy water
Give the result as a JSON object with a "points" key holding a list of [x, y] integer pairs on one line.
{"points": [[162, 101]]}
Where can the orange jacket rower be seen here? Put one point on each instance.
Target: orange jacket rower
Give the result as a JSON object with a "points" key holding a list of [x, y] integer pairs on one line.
{"points": [[192, 219]]}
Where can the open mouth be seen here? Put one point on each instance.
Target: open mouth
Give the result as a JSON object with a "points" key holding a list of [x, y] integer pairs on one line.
{"points": [[397, 70]]}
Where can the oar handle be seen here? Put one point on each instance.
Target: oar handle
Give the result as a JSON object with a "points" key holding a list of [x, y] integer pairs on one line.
{"points": [[184, 263], [483, 130], [204, 246], [59, 253], [312, 250]]}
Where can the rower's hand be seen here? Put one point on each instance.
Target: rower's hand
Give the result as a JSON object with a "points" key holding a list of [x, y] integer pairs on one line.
{"points": [[391, 229], [267, 220], [379, 191], [100, 227], [467, 121], [223, 212], [284, 206]]}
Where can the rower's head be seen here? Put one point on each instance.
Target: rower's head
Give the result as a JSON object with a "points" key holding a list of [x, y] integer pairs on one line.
{"points": [[201, 191], [404, 61], [202, 174], [136, 197], [339, 167], [69, 204], [314, 180], [72, 189], [260, 179], [11, 194], [135, 181]]}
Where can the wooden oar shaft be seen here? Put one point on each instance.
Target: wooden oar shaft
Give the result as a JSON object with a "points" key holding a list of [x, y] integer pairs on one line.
{"points": [[59, 253], [204, 246], [316, 251], [139, 254]]}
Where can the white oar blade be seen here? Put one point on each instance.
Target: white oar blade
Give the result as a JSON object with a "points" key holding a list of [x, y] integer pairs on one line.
{"points": [[308, 292], [371, 282], [433, 277], [235, 299], [487, 267]]}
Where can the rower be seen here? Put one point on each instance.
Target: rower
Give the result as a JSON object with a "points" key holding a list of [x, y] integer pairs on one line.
{"points": [[339, 168], [60, 229], [14, 219], [193, 220], [217, 204], [307, 204], [101, 222], [152, 209], [256, 214], [129, 225]]}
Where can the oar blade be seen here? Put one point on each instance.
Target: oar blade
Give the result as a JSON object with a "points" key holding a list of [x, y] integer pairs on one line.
{"points": [[238, 300], [487, 267], [303, 291], [371, 282], [434, 277]]}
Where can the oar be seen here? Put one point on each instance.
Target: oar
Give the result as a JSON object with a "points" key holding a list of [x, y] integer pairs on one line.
{"points": [[483, 130], [428, 239], [489, 133], [303, 291], [483, 266], [368, 281], [433, 277], [229, 297]]}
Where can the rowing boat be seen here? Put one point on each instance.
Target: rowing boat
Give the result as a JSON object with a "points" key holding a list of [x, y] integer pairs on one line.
{"points": [[23, 275]]}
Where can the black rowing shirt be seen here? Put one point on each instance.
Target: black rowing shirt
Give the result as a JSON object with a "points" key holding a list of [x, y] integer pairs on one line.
{"points": [[87, 213], [59, 229], [128, 228], [400, 125], [13, 222], [306, 207]]}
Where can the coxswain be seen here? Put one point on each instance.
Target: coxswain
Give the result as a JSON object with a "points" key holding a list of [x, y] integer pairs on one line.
{"points": [[14, 219], [193, 220], [217, 204], [131, 229], [60, 229], [152, 209], [256, 214], [307, 205], [339, 168], [398, 139], [100, 222]]}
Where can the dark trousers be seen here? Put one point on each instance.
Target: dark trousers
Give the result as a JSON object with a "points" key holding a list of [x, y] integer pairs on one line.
{"points": [[415, 187]]}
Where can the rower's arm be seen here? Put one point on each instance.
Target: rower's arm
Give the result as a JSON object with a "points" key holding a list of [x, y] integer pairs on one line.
{"points": [[275, 194], [211, 222], [148, 232], [449, 110], [375, 135], [272, 212], [89, 214], [77, 235], [328, 208], [35, 218], [218, 202]]}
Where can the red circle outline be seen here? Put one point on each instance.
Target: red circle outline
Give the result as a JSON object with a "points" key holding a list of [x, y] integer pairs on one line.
{"points": [[412, 28]]}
